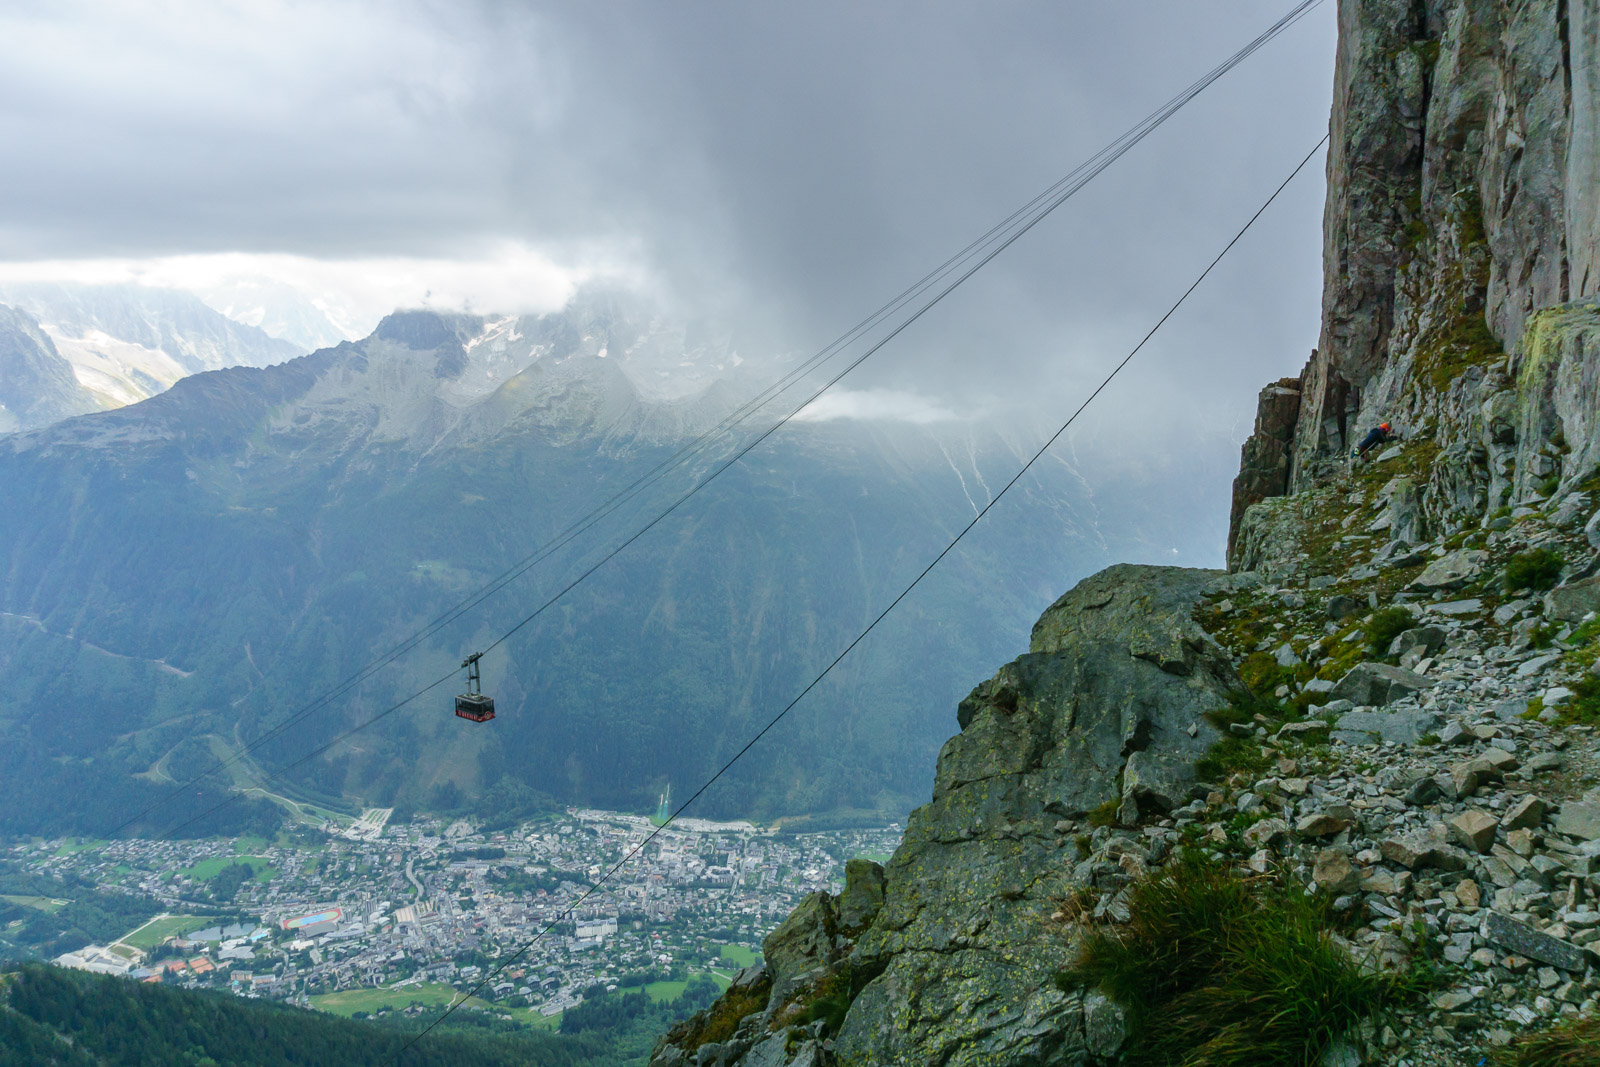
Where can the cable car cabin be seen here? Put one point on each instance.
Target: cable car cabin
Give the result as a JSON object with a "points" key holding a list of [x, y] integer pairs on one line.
{"points": [[475, 706]]}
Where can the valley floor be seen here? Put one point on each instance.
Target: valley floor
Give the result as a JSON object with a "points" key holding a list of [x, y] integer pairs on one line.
{"points": [[379, 919]]}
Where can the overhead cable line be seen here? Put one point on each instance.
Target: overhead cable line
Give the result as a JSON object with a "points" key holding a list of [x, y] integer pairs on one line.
{"points": [[1004, 239], [570, 908], [978, 253]]}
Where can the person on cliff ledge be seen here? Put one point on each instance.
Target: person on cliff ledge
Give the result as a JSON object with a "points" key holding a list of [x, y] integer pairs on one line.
{"points": [[1378, 436]]}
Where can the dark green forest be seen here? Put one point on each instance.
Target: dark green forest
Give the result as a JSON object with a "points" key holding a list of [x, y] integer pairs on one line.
{"points": [[56, 1018], [32, 924]]}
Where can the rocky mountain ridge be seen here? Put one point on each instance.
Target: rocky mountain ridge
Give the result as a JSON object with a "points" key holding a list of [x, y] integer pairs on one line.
{"points": [[37, 386], [126, 343]]}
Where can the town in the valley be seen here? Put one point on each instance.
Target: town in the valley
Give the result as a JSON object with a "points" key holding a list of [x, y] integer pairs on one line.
{"points": [[372, 917]]}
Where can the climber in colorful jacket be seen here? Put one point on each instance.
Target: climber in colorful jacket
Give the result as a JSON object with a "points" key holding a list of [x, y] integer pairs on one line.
{"points": [[1377, 437]]}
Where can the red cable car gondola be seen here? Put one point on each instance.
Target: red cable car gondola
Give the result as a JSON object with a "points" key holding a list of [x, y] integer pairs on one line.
{"points": [[473, 704]]}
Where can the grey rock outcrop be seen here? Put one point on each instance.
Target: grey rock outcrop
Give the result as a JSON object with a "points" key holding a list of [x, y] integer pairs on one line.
{"points": [[1264, 456], [1106, 709], [1116, 675], [1572, 601], [1376, 727], [1452, 571]]}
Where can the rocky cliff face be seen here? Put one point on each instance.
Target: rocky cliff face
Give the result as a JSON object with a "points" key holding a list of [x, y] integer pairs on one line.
{"points": [[1103, 719], [1460, 251]]}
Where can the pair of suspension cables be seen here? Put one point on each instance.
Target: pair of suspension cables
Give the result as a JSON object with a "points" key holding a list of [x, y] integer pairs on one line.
{"points": [[892, 318], [878, 329]]}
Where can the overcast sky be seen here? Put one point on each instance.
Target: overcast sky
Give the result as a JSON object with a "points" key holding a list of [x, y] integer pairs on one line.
{"points": [[781, 166]]}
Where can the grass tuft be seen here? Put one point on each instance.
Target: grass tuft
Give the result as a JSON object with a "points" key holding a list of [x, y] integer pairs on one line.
{"points": [[1229, 755], [1105, 814], [1571, 1044], [1217, 971]]}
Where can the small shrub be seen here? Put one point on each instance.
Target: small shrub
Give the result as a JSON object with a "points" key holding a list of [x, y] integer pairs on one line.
{"points": [[1229, 755], [1584, 705], [1585, 633], [1571, 1044], [1536, 569], [1105, 814], [1242, 706], [1219, 972], [1385, 626]]}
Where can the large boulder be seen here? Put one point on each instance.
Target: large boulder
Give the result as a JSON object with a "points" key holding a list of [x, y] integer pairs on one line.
{"points": [[1377, 727], [862, 897], [1572, 601], [1452, 570], [1116, 677], [1377, 684]]}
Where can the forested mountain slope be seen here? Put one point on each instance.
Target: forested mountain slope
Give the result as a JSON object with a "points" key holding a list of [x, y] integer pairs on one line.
{"points": [[51, 1017], [182, 575]]}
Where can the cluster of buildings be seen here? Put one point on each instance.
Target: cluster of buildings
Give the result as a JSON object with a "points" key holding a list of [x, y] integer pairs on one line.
{"points": [[393, 908]]}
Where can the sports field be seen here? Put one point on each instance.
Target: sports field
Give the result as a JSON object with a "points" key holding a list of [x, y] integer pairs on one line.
{"points": [[153, 933]]}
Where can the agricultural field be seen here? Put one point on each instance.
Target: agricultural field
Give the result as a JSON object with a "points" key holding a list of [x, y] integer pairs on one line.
{"points": [[347, 1002], [740, 955], [36, 903], [661, 992], [208, 869]]}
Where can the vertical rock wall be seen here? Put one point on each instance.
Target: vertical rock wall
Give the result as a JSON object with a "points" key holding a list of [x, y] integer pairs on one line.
{"points": [[1459, 127], [1463, 199], [1583, 149]]}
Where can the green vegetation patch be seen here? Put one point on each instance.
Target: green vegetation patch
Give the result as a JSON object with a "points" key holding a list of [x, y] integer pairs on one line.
{"points": [[663, 992], [718, 1022], [1217, 971], [829, 1000], [1229, 755], [1385, 626], [1570, 1044], [1536, 569], [369, 1001], [37, 903], [52, 1015]]}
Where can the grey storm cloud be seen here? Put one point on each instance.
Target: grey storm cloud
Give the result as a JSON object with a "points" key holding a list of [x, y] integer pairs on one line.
{"points": [[786, 166]]}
